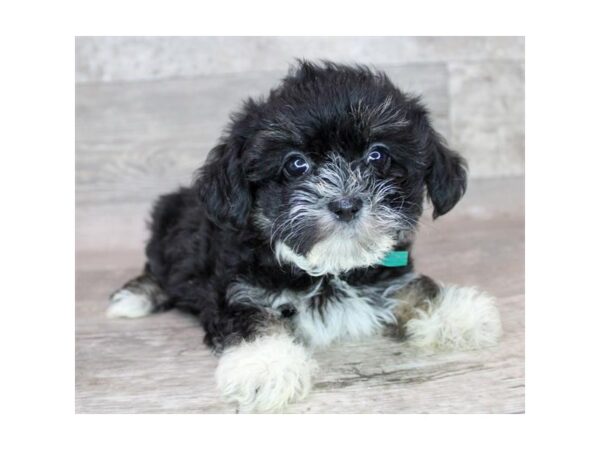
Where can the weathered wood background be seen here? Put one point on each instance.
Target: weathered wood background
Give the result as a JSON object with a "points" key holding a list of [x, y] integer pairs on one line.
{"points": [[148, 111]]}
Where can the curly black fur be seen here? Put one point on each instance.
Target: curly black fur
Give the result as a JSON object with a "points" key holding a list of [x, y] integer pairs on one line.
{"points": [[209, 235]]}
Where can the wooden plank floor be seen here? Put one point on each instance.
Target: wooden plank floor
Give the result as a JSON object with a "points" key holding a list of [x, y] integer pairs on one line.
{"points": [[159, 364]]}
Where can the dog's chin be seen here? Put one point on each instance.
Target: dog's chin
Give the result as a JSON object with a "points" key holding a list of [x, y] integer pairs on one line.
{"points": [[338, 252]]}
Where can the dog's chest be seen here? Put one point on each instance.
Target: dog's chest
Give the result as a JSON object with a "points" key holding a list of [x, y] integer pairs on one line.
{"points": [[341, 312], [327, 312]]}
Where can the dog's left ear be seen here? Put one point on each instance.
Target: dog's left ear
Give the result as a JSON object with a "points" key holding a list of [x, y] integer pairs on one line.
{"points": [[446, 177]]}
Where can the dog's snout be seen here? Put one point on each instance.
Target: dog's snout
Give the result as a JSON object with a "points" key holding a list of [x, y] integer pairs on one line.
{"points": [[345, 208]]}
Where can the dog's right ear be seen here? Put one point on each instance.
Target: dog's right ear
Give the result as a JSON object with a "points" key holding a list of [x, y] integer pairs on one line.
{"points": [[222, 183], [223, 188]]}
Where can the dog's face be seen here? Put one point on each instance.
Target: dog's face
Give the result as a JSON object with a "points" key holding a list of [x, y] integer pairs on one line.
{"points": [[332, 169]]}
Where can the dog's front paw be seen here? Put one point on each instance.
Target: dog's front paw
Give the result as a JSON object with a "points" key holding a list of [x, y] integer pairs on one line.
{"points": [[459, 318], [265, 374]]}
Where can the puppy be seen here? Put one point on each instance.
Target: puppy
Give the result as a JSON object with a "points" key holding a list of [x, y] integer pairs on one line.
{"points": [[297, 232]]}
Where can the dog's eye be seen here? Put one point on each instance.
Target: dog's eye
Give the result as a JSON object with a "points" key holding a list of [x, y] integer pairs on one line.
{"points": [[296, 166], [374, 155], [377, 154]]}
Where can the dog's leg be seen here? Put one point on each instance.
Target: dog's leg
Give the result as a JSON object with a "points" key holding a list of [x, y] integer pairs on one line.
{"points": [[266, 373], [446, 317], [137, 298], [266, 369]]}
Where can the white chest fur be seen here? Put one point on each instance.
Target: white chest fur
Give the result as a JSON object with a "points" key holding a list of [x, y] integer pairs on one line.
{"points": [[324, 316], [350, 315]]}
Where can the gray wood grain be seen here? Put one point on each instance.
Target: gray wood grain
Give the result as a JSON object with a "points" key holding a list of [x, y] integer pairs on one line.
{"points": [[487, 115], [112, 59], [136, 137], [137, 140], [159, 364]]}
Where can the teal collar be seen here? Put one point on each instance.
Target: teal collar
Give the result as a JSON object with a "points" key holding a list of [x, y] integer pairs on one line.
{"points": [[395, 259]]}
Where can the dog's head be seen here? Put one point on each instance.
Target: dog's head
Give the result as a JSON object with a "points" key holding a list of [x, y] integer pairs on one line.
{"points": [[332, 168]]}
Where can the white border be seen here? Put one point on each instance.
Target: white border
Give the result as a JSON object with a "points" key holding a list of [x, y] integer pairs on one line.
{"points": [[37, 235]]}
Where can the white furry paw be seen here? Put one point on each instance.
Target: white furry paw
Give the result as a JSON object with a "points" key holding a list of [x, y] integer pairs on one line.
{"points": [[265, 374], [460, 318], [129, 304]]}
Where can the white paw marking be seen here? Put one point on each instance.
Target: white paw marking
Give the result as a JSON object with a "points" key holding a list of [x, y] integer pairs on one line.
{"points": [[265, 374], [462, 318], [131, 305]]}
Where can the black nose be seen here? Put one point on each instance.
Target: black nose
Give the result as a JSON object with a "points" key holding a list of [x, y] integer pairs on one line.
{"points": [[345, 208]]}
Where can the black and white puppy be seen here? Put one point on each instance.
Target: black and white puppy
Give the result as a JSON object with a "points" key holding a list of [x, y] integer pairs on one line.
{"points": [[277, 246]]}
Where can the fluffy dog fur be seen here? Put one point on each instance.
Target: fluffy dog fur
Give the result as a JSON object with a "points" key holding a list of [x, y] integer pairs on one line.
{"points": [[275, 247]]}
